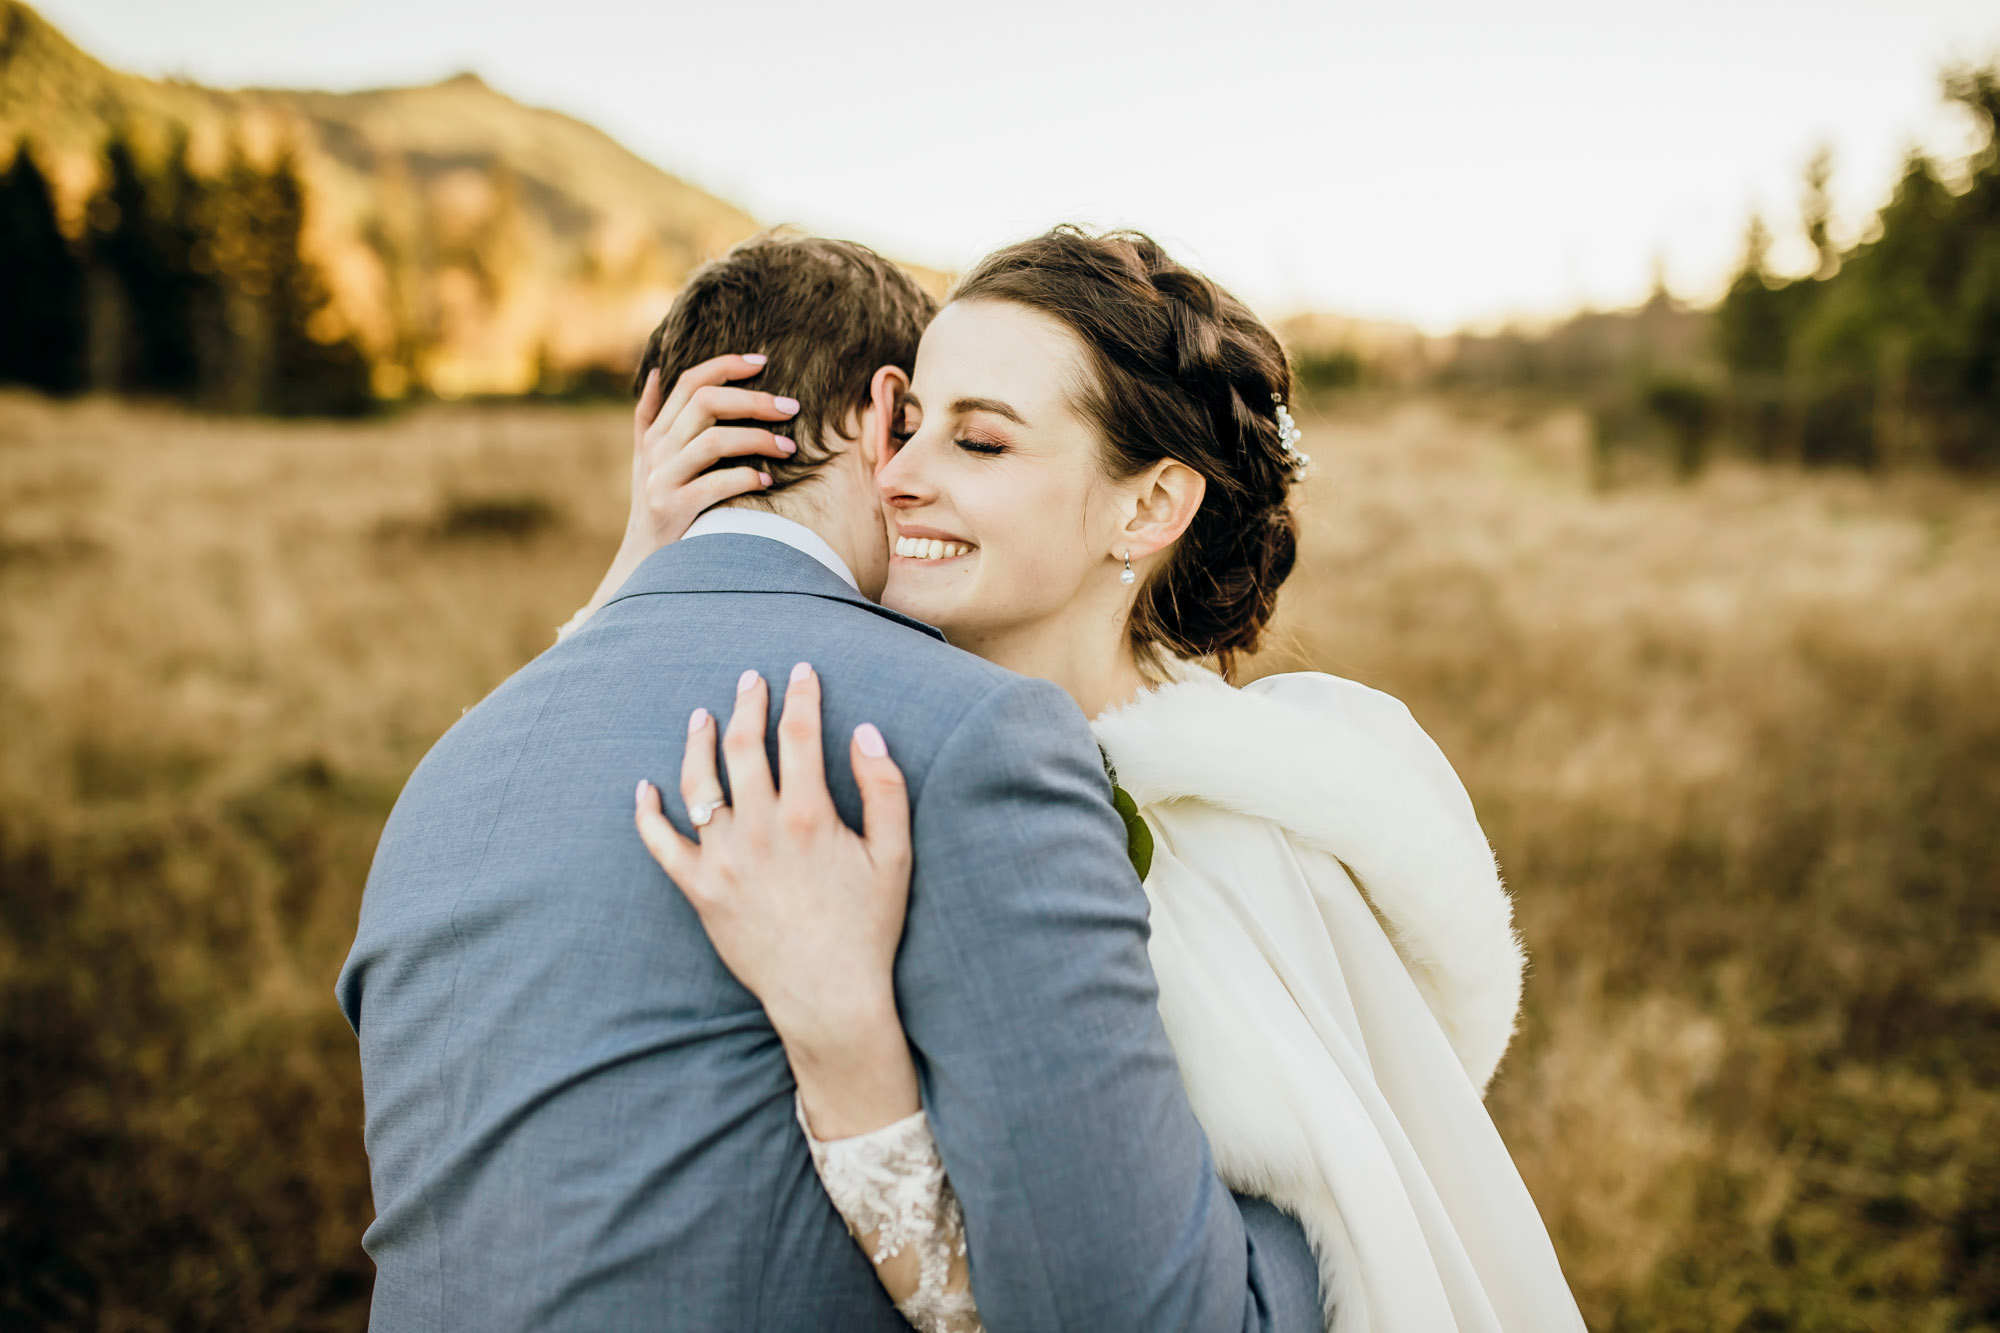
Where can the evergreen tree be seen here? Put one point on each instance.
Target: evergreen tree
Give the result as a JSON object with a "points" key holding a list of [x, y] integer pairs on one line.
{"points": [[1890, 350], [1816, 212], [198, 288], [314, 370], [41, 285], [1751, 336], [1978, 321], [152, 241], [135, 281], [179, 328], [240, 250], [1750, 326], [283, 357]]}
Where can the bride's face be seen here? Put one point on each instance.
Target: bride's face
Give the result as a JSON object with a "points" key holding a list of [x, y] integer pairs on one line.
{"points": [[1000, 513]]}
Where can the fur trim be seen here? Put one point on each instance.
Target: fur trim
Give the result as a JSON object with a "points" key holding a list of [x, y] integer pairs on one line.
{"points": [[1347, 771]]}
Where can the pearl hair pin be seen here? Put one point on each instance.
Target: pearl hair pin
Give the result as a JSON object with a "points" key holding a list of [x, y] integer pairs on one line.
{"points": [[1289, 436]]}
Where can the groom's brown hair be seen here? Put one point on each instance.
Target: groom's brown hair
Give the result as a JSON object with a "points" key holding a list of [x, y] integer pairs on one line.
{"points": [[827, 313]]}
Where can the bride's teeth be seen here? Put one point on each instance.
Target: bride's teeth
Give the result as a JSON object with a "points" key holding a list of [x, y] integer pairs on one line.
{"points": [[925, 548]]}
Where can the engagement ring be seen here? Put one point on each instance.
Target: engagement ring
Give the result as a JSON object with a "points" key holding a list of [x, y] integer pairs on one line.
{"points": [[700, 812]]}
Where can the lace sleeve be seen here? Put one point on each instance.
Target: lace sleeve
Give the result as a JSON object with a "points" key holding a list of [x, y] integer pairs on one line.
{"points": [[890, 1188]]}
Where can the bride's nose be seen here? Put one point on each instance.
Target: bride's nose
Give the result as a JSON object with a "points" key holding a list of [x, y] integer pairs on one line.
{"points": [[901, 480]]}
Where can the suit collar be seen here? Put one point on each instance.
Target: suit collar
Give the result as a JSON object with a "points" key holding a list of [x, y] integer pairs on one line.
{"points": [[740, 563], [763, 523]]}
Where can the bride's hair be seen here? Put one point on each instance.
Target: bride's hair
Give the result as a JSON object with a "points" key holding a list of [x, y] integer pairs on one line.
{"points": [[1183, 371]]}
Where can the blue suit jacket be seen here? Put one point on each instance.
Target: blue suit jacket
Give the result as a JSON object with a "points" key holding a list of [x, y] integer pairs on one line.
{"points": [[577, 1119]]}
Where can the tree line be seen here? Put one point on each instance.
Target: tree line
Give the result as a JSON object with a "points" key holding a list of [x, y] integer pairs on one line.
{"points": [[1889, 350], [179, 284]]}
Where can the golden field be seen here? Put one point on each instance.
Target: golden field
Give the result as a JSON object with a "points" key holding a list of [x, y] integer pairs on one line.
{"points": [[1737, 744]]}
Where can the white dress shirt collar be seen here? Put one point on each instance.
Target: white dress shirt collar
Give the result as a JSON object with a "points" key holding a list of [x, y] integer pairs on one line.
{"points": [[762, 523]]}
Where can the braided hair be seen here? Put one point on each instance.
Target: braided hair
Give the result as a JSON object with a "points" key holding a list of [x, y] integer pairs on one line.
{"points": [[1184, 371]]}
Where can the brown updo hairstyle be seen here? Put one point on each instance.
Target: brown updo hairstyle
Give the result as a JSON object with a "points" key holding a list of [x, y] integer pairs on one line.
{"points": [[1184, 371]]}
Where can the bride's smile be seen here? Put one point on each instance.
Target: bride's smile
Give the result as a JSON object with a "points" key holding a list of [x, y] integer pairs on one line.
{"points": [[927, 545]]}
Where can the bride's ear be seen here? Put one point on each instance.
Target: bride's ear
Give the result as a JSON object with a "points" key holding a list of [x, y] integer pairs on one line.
{"points": [[885, 404], [1165, 499]]}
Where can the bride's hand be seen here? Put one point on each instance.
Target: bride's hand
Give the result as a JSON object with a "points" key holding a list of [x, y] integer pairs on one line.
{"points": [[675, 440], [804, 912]]}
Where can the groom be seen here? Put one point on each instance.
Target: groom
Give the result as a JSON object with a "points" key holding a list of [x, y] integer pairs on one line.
{"points": [[577, 1119]]}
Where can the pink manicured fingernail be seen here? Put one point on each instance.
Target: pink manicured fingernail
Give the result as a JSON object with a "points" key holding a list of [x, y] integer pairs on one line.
{"points": [[801, 671], [870, 741], [697, 720], [788, 444], [786, 404], [746, 680], [764, 477], [639, 796], [755, 358]]}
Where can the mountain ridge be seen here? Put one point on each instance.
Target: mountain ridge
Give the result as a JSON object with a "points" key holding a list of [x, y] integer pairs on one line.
{"points": [[471, 243]]}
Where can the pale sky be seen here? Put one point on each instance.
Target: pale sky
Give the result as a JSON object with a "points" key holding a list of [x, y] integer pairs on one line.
{"points": [[1436, 161]]}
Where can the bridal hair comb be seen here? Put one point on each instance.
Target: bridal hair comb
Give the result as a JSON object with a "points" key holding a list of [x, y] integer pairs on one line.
{"points": [[1289, 436]]}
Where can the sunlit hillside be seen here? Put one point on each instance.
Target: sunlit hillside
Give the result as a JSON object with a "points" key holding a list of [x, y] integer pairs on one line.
{"points": [[1737, 744], [466, 237]]}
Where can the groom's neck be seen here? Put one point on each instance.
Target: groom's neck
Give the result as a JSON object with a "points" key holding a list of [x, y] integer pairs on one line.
{"points": [[850, 524]]}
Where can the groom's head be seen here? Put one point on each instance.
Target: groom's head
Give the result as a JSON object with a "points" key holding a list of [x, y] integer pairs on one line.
{"points": [[828, 314]]}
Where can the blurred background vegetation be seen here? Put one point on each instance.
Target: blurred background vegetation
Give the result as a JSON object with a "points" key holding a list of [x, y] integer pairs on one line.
{"points": [[1703, 602], [269, 249], [183, 286], [1887, 354]]}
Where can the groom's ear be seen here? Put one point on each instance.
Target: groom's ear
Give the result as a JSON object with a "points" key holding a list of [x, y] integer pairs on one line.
{"points": [[879, 421]]}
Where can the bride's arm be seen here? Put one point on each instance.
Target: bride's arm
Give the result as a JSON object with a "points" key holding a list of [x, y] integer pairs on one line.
{"points": [[675, 441], [890, 1187], [807, 916]]}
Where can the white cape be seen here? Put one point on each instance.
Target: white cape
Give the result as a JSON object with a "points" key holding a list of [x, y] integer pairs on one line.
{"points": [[1339, 977]]}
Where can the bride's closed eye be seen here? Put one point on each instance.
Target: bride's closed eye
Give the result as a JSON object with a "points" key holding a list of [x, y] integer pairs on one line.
{"points": [[987, 448], [908, 418]]}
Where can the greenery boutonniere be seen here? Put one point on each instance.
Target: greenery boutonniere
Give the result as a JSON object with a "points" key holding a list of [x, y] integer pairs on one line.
{"points": [[1138, 838]]}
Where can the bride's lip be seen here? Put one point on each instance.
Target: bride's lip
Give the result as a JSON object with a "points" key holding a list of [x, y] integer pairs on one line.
{"points": [[930, 534]]}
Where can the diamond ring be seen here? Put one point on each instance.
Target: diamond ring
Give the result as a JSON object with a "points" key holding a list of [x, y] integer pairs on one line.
{"points": [[700, 812]]}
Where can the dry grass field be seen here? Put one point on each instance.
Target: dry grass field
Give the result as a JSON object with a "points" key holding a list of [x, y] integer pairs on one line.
{"points": [[1737, 744]]}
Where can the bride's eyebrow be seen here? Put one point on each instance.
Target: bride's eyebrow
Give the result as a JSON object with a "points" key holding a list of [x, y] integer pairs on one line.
{"points": [[999, 409]]}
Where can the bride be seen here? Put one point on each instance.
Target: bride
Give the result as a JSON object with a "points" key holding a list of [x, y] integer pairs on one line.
{"points": [[1091, 483]]}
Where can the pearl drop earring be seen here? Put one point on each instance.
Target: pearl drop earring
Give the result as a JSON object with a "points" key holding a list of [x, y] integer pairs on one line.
{"points": [[1126, 576]]}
